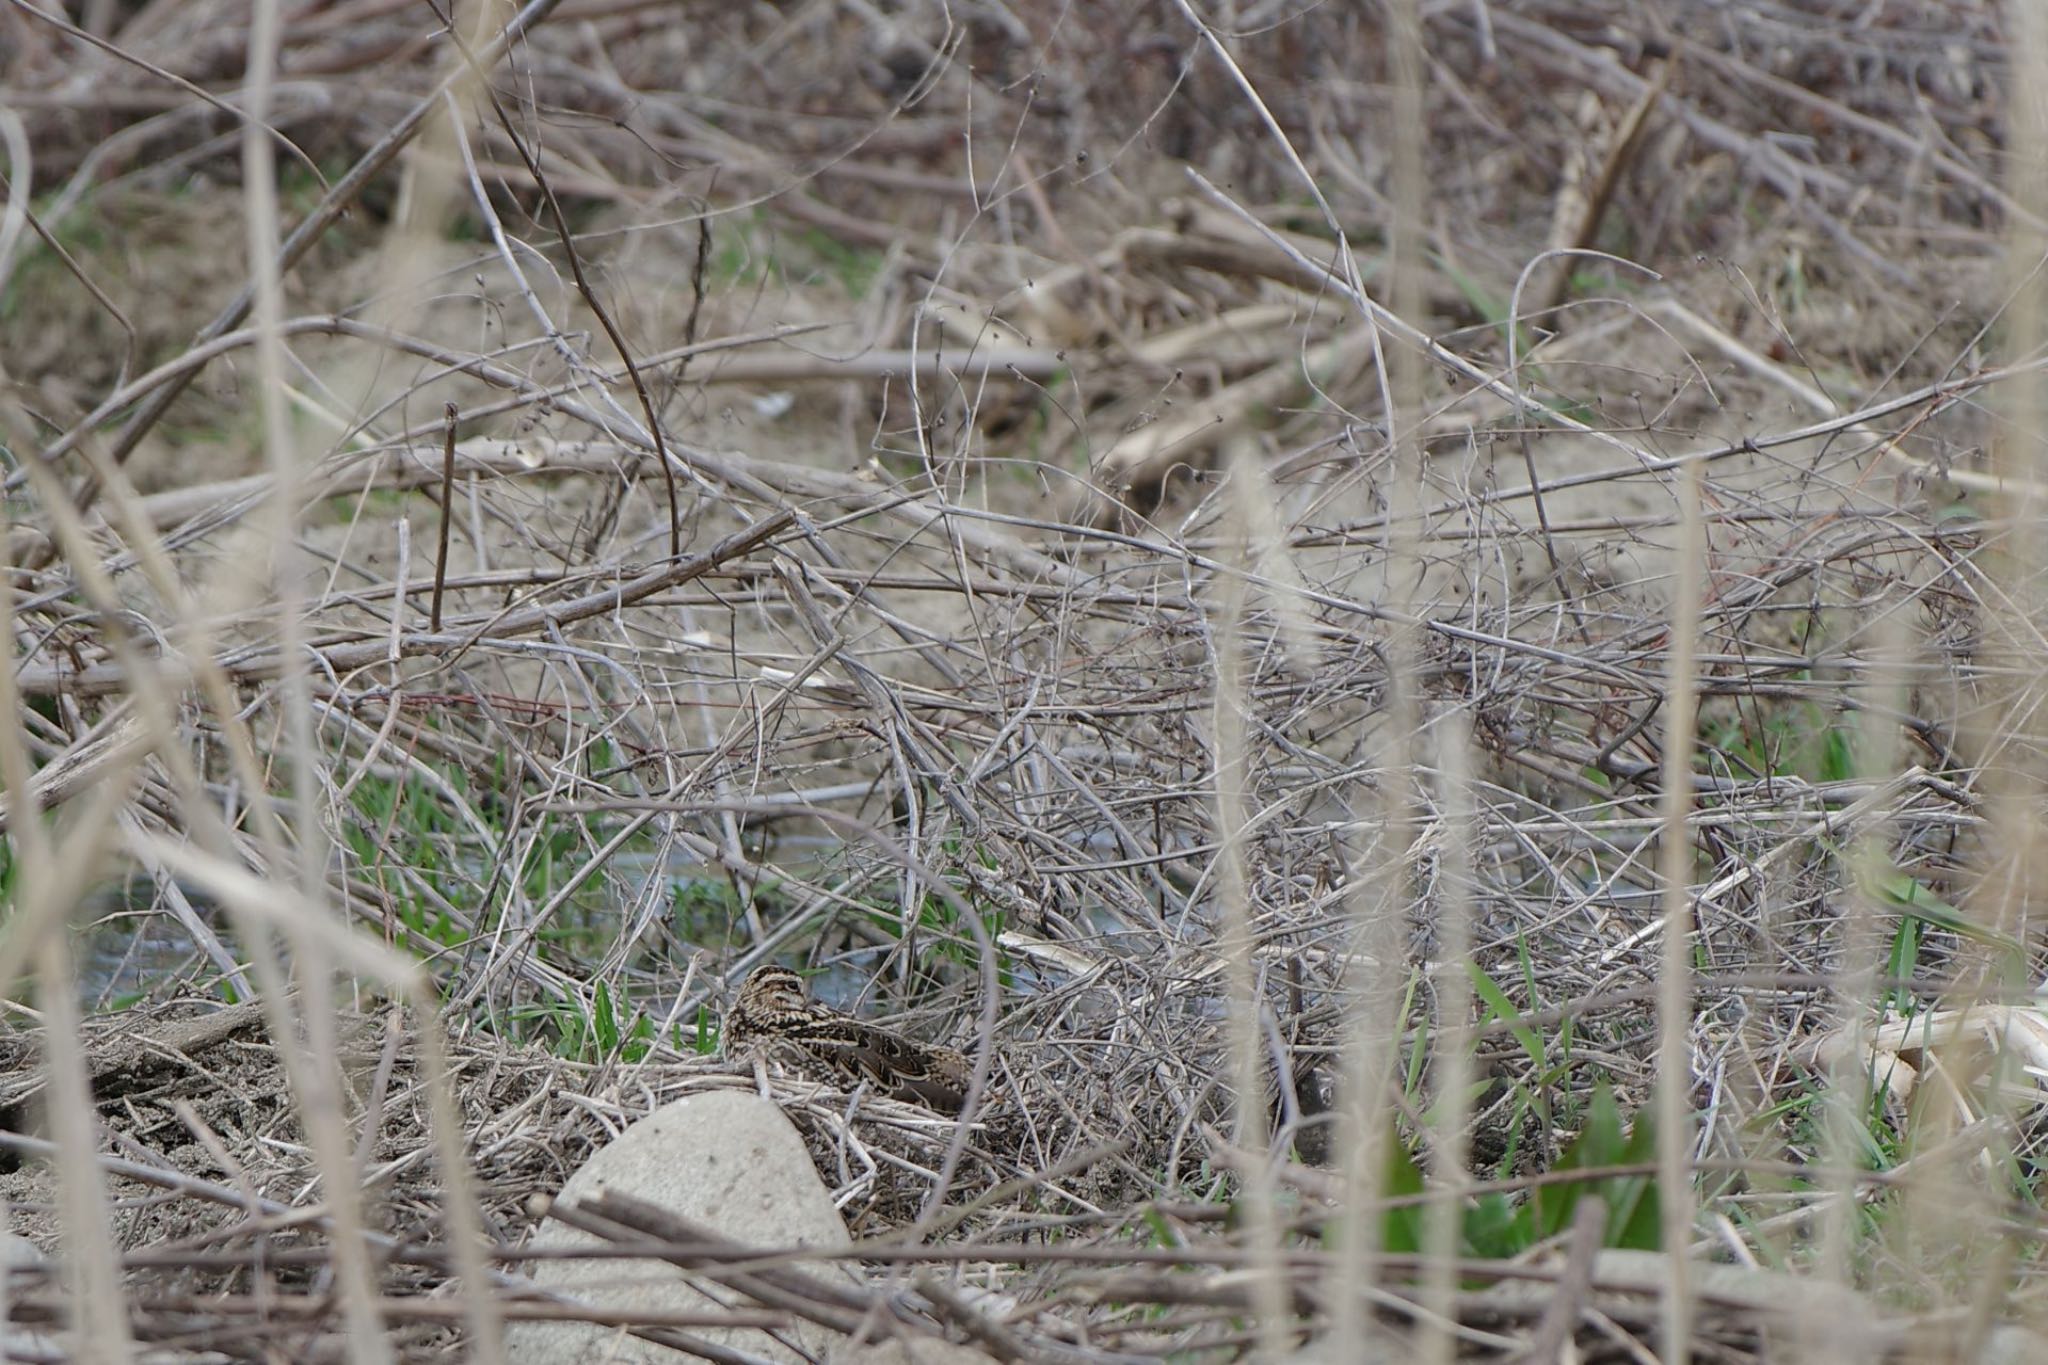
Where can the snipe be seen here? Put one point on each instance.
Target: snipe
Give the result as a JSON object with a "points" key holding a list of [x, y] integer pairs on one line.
{"points": [[775, 1020]]}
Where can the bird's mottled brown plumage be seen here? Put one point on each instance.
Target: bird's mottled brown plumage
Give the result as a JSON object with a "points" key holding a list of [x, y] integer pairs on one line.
{"points": [[774, 1019]]}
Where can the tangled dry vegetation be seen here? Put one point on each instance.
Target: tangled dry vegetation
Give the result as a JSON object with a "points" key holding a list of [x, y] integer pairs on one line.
{"points": [[1195, 562]]}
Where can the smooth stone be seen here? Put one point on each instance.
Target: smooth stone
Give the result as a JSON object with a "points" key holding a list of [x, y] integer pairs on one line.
{"points": [[18, 1253], [728, 1160]]}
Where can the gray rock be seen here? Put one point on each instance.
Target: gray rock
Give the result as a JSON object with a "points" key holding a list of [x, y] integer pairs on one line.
{"points": [[725, 1159], [728, 1160], [2009, 1345], [18, 1253]]}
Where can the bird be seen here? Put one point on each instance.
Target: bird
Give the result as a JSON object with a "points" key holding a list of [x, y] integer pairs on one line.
{"points": [[775, 1020]]}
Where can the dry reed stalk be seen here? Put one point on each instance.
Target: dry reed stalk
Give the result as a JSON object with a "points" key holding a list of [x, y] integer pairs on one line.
{"points": [[1953, 1196], [1457, 819], [318, 1077], [1849, 1086], [1247, 1020], [50, 880], [1674, 1086]]}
